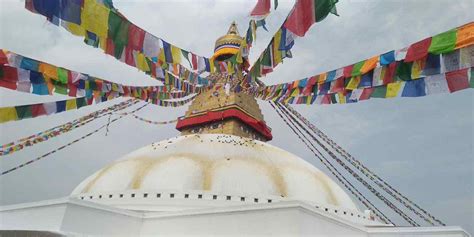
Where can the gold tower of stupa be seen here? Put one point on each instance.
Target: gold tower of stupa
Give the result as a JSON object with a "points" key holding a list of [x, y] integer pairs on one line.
{"points": [[221, 110]]}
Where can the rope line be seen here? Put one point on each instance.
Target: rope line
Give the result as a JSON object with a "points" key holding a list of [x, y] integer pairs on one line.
{"points": [[333, 169], [43, 136], [367, 172], [69, 144], [358, 178]]}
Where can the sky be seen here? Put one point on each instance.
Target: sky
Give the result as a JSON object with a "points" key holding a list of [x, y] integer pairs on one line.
{"points": [[422, 146]]}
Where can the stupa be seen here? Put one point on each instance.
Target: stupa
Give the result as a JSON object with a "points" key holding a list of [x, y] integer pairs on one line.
{"points": [[219, 177]]}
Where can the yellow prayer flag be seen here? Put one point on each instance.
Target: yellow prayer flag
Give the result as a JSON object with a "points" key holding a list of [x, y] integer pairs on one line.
{"points": [[141, 63], [212, 66], [230, 68], [393, 89], [277, 58], [161, 56], [369, 64], [71, 104], [76, 29], [295, 93], [465, 36], [342, 98], [8, 114], [417, 67], [353, 83], [176, 54], [95, 18], [322, 78], [309, 99]]}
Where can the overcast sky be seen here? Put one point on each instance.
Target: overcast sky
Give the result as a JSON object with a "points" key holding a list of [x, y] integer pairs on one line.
{"points": [[423, 146]]}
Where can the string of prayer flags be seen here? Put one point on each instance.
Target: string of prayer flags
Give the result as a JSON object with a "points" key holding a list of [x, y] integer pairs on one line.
{"points": [[20, 144], [303, 15], [448, 82], [69, 144], [103, 26], [20, 112], [31, 76], [420, 60]]}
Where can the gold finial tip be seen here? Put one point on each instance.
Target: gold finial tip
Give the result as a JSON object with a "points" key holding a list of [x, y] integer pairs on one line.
{"points": [[233, 29]]}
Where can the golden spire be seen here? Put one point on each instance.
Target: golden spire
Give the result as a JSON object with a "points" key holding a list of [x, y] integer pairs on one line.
{"points": [[228, 45]]}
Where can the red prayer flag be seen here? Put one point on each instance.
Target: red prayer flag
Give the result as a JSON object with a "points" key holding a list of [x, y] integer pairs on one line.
{"points": [[110, 47], [418, 50], [390, 71], [9, 73], [3, 58], [72, 90], [129, 59], [366, 93], [262, 8], [37, 110], [457, 80], [136, 36], [194, 61], [303, 16], [348, 71]]}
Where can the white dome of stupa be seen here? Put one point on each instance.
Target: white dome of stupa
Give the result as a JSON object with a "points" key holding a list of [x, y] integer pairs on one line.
{"points": [[219, 164]]}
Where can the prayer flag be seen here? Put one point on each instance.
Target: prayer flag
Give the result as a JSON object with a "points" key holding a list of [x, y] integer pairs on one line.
{"points": [[452, 61], [387, 58], [369, 64], [70, 11], [418, 50], [444, 42], [306, 12], [261, 9], [465, 35], [136, 36], [414, 88], [151, 45], [432, 65], [457, 80], [8, 114], [29, 64], [95, 18], [394, 89], [379, 92], [436, 84]]}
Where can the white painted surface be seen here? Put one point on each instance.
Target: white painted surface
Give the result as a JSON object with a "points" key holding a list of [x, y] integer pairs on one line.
{"points": [[287, 218], [221, 164]]}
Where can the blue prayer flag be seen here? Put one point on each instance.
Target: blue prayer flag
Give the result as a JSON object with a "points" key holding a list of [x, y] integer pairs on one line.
{"points": [[414, 88], [29, 64], [387, 58], [36, 77], [331, 76]]}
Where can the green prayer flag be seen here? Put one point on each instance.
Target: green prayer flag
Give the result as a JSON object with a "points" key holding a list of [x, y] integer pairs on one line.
{"points": [[323, 8], [379, 92], [92, 85], [81, 102], [63, 75], [403, 71], [60, 89], [186, 56], [266, 59], [444, 42], [356, 68], [118, 32], [24, 111], [275, 3]]}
